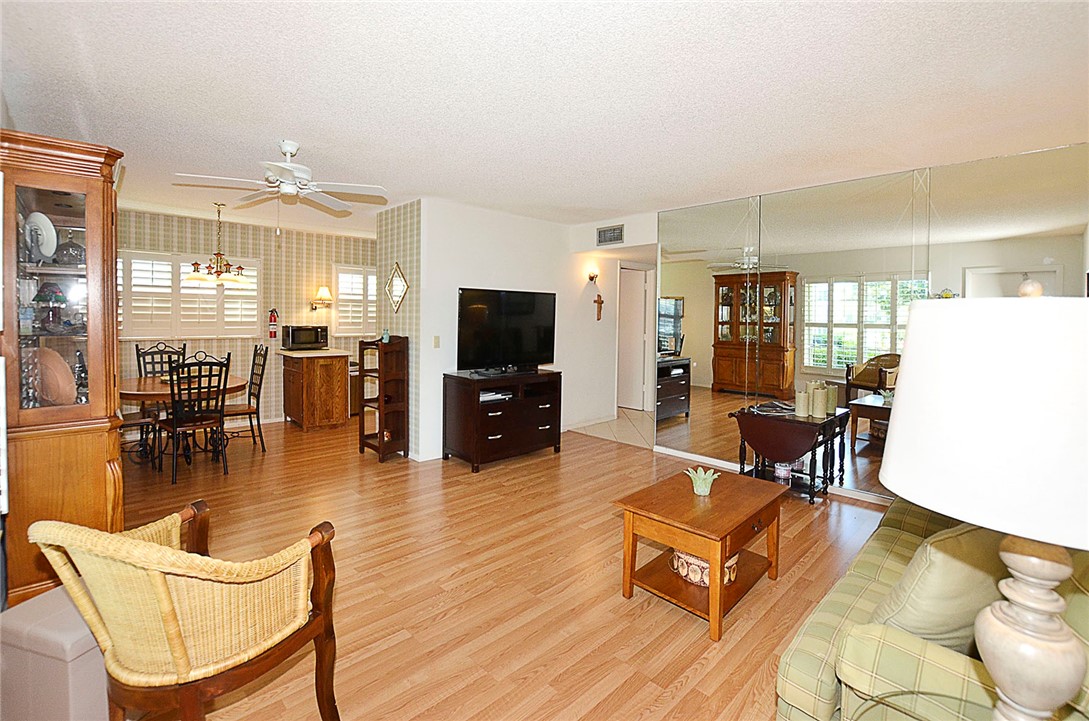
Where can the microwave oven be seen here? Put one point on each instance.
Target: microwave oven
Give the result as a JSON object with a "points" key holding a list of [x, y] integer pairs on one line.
{"points": [[306, 337]]}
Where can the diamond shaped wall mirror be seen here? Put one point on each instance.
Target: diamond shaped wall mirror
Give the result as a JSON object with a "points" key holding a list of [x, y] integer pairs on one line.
{"points": [[396, 287]]}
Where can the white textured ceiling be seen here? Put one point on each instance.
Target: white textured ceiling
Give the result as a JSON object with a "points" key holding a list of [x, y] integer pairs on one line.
{"points": [[570, 112]]}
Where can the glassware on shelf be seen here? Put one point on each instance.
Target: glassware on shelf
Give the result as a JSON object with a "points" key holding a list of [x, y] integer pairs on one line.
{"points": [[30, 378], [79, 370]]}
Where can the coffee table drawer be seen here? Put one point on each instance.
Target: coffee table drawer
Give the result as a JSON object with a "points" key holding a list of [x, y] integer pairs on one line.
{"points": [[752, 527]]}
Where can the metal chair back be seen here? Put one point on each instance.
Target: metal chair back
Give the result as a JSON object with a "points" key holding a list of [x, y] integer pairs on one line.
{"points": [[157, 359], [198, 389]]}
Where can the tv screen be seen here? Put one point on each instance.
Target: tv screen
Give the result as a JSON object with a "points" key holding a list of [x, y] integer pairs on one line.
{"points": [[502, 328]]}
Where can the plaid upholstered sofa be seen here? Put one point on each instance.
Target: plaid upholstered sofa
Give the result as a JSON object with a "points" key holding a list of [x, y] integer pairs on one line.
{"points": [[841, 666]]}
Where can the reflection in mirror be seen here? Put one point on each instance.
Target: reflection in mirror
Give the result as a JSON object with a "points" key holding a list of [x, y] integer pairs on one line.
{"points": [[994, 220], [709, 257], [859, 249], [863, 250]]}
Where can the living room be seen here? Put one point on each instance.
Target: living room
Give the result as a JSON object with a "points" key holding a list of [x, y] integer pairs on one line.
{"points": [[505, 138]]}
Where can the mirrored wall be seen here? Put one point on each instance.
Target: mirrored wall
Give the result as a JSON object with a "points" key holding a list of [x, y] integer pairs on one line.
{"points": [[789, 288]]}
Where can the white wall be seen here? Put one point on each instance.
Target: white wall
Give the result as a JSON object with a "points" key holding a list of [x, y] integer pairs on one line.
{"points": [[641, 229], [465, 246]]}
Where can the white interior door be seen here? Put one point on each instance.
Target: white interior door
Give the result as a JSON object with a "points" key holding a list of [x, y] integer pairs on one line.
{"points": [[631, 339]]}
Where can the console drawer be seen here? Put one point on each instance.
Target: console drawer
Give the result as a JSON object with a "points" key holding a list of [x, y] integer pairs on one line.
{"points": [[672, 387]]}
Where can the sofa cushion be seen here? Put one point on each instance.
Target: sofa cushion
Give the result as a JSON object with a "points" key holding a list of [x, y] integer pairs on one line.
{"points": [[906, 516], [807, 669], [953, 575], [885, 555]]}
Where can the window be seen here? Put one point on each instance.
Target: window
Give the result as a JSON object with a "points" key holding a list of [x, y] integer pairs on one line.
{"points": [[356, 304], [155, 300], [849, 321]]}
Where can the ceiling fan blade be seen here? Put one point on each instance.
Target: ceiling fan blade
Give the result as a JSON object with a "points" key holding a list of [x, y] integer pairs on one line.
{"points": [[217, 177], [357, 197], [267, 193], [326, 200], [355, 188]]}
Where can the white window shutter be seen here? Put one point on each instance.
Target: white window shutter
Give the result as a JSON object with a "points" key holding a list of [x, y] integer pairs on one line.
{"points": [[149, 297]]}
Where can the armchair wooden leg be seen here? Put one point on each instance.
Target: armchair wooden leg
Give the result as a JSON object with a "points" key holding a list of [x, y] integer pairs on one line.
{"points": [[325, 656], [191, 706], [117, 713]]}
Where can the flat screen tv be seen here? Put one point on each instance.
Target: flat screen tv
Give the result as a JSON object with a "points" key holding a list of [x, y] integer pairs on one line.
{"points": [[505, 330]]}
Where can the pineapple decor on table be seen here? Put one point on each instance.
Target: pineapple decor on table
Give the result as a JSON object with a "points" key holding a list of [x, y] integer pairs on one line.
{"points": [[702, 480]]}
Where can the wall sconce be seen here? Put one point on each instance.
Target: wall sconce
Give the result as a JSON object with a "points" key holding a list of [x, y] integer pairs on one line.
{"points": [[593, 276], [323, 298]]}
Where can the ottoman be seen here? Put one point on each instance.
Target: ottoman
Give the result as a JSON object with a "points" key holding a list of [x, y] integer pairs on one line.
{"points": [[51, 668]]}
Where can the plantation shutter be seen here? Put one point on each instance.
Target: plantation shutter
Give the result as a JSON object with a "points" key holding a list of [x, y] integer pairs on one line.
{"points": [[240, 303], [356, 300], [147, 306], [198, 305]]}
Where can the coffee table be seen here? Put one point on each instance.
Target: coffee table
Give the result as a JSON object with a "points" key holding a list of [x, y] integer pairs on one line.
{"points": [[872, 407], [713, 527]]}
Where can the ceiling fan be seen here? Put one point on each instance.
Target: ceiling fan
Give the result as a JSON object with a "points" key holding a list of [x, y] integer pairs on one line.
{"points": [[285, 178], [748, 260]]}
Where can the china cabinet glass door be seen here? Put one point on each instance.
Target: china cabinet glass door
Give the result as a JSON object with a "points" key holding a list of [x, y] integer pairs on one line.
{"points": [[750, 311], [725, 313], [51, 297]]}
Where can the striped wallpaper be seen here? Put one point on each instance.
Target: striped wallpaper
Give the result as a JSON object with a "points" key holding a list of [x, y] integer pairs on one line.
{"points": [[399, 242], [293, 265]]}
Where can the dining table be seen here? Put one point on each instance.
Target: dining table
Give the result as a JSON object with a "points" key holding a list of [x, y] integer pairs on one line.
{"points": [[152, 389]]}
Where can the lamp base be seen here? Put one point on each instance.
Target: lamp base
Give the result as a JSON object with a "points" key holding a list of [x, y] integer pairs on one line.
{"points": [[1034, 658]]}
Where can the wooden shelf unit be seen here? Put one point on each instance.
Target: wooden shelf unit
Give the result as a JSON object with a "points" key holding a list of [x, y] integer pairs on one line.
{"points": [[525, 417], [754, 344], [64, 456], [383, 373]]}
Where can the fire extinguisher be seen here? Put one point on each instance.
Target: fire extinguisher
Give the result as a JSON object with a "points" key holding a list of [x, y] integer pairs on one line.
{"points": [[273, 318]]}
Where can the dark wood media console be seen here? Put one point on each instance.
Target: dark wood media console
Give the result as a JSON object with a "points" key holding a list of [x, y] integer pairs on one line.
{"points": [[488, 418]]}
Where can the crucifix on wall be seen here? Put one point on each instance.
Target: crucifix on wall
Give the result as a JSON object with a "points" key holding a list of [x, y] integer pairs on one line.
{"points": [[599, 302]]}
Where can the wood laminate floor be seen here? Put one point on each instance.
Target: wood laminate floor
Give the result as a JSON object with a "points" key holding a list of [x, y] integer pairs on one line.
{"points": [[710, 431], [496, 595]]}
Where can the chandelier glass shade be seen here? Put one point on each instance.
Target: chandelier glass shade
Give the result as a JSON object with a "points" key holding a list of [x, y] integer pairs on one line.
{"points": [[218, 269]]}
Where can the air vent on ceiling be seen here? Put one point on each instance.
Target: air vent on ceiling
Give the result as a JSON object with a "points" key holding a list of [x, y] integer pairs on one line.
{"points": [[610, 235]]}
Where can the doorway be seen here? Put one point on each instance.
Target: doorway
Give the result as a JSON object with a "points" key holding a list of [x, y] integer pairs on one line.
{"points": [[631, 339]]}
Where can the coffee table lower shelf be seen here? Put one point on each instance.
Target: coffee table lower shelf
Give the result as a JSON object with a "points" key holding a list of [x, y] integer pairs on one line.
{"points": [[657, 578]]}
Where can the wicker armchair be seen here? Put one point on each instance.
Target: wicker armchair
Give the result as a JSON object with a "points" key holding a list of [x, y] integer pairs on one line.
{"points": [[876, 374], [178, 629]]}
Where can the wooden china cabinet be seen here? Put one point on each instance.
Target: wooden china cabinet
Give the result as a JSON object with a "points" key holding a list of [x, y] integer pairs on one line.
{"points": [[754, 333], [59, 344]]}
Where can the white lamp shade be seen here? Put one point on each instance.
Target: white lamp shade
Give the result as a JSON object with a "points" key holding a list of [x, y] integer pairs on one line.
{"points": [[323, 295], [990, 423]]}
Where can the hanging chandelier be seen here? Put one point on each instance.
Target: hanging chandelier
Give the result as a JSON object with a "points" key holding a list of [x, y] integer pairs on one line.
{"points": [[218, 269]]}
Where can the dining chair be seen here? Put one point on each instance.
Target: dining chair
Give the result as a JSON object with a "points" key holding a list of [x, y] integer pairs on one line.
{"points": [[152, 361], [252, 406], [198, 389], [178, 628]]}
